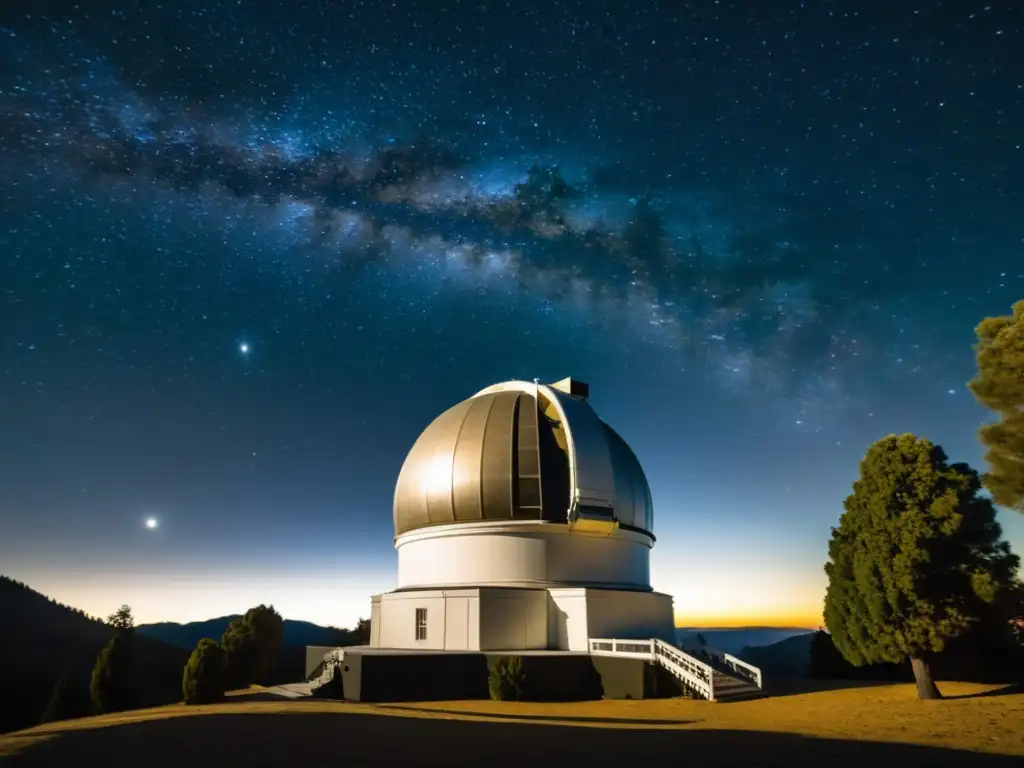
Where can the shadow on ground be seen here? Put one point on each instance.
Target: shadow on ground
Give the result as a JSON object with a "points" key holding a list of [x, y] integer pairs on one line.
{"points": [[1004, 691], [269, 695], [539, 718], [796, 686], [365, 740]]}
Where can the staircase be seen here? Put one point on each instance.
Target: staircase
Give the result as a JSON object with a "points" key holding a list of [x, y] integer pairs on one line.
{"points": [[324, 671], [728, 688], [730, 679]]}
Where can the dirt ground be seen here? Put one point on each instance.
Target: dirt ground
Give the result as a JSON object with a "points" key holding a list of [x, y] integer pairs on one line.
{"points": [[864, 726]]}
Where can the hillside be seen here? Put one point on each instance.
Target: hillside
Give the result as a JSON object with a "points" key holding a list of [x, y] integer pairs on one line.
{"points": [[296, 633], [43, 639], [787, 658], [291, 661], [976, 726]]}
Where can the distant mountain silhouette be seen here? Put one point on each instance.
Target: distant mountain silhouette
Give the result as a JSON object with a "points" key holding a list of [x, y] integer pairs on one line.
{"points": [[291, 661], [734, 640], [789, 658], [42, 640], [296, 633]]}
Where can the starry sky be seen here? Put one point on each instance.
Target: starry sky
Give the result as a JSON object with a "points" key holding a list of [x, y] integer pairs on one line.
{"points": [[248, 250]]}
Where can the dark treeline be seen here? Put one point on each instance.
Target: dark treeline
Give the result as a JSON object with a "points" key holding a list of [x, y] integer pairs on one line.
{"points": [[50, 651], [48, 670]]}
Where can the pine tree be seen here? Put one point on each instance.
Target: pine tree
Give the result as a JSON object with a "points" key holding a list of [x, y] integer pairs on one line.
{"points": [[204, 676], [915, 559], [252, 643], [999, 386], [241, 653], [111, 685]]}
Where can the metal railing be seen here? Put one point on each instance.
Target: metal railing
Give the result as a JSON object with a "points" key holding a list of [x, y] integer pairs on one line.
{"points": [[693, 672], [324, 671], [743, 670], [697, 674]]}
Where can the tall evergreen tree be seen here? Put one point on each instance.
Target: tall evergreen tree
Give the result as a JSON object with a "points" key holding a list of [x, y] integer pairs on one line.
{"points": [[252, 643], [203, 679], [241, 653], [999, 386], [268, 627], [111, 685], [915, 559]]}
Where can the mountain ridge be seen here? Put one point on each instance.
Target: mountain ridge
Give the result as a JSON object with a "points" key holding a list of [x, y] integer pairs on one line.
{"points": [[44, 639], [296, 632]]}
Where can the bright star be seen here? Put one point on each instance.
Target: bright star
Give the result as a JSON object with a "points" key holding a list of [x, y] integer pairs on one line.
{"points": [[244, 348], [152, 523]]}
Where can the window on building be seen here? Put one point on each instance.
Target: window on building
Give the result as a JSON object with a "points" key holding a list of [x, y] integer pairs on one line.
{"points": [[421, 623]]}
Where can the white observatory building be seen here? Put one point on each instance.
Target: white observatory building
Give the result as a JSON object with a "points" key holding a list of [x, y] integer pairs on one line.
{"points": [[522, 522]]}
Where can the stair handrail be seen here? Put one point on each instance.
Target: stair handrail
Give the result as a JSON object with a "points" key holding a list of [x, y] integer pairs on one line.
{"points": [[332, 659], [694, 672], [317, 670], [741, 666], [697, 673]]}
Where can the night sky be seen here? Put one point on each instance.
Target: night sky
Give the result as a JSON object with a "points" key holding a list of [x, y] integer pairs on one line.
{"points": [[248, 250]]}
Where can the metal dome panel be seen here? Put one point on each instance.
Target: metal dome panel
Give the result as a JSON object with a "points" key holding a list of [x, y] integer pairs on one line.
{"points": [[521, 451], [633, 507], [594, 475]]}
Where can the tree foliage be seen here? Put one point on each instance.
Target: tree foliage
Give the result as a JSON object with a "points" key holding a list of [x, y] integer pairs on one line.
{"points": [[362, 632], [68, 700], [999, 386], [122, 619], [204, 677], [111, 686], [915, 559], [43, 639], [252, 643]]}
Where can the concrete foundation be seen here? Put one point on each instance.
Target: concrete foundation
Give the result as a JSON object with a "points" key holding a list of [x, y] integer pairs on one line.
{"points": [[383, 675]]}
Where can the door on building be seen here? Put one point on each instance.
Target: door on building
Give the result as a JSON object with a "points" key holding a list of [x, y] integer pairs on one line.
{"points": [[456, 624]]}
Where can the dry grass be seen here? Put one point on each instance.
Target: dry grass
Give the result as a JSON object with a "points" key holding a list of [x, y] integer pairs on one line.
{"points": [[862, 720]]}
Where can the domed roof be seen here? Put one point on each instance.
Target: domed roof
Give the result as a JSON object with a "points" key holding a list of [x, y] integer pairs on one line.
{"points": [[521, 451]]}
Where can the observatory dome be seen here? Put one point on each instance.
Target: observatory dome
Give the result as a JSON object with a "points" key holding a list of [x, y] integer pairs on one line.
{"points": [[520, 451]]}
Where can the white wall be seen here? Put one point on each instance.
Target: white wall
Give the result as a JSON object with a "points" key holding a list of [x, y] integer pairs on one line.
{"points": [[375, 621], [567, 619], [519, 619], [352, 664], [453, 620], [513, 619], [456, 623], [630, 615], [521, 554]]}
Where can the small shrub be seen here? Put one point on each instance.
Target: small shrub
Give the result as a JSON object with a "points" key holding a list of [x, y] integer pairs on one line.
{"points": [[203, 679], [507, 680]]}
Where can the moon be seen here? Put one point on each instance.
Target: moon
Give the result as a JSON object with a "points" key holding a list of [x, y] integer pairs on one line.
{"points": [[152, 523]]}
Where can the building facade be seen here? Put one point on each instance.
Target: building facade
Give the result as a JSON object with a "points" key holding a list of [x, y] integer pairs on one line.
{"points": [[522, 522]]}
